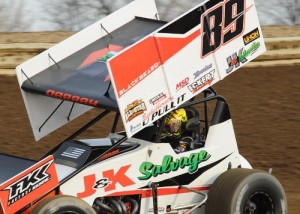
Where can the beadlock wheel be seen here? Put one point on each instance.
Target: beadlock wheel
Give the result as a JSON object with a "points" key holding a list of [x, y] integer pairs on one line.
{"points": [[246, 191]]}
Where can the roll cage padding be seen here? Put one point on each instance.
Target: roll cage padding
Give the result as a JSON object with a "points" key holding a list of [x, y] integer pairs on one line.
{"points": [[221, 113]]}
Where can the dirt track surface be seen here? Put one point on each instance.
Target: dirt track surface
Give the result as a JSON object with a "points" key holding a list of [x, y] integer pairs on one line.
{"points": [[264, 109]]}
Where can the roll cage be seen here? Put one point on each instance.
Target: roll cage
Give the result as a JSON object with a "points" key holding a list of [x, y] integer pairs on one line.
{"points": [[152, 133]]}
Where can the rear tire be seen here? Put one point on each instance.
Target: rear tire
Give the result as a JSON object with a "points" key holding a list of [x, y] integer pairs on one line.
{"points": [[63, 205], [246, 191]]}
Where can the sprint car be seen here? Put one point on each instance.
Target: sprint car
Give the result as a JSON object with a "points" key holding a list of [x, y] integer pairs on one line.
{"points": [[143, 175], [137, 69]]}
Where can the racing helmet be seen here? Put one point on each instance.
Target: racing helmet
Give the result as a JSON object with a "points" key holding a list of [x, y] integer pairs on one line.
{"points": [[174, 123]]}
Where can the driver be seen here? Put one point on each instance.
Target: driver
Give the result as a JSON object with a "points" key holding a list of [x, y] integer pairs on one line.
{"points": [[174, 131]]}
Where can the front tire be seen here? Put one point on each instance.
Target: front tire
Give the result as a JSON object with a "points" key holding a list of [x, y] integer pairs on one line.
{"points": [[62, 204], [246, 191]]}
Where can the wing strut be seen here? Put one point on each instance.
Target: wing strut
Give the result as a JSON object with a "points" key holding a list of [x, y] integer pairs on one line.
{"points": [[70, 111], [50, 115], [106, 31], [27, 77], [106, 93], [115, 123], [54, 61]]}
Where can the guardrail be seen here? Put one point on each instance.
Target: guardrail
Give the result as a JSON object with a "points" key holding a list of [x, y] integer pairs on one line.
{"points": [[284, 51]]}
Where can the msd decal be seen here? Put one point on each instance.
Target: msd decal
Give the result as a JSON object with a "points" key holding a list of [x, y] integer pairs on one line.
{"points": [[182, 84], [28, 185], [108, 181]]}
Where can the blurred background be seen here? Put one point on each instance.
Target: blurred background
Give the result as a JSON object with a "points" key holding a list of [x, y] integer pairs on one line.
{"points": [[263, 96], [74, 15]]}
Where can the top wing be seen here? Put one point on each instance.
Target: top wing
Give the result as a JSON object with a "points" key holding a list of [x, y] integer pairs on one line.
{"points": [[183, 58], [83, 76], [75, 72], [141, 67]]}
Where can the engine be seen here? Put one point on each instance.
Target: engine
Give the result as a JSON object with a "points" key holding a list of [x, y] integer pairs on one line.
{"points": [[117, 205]]}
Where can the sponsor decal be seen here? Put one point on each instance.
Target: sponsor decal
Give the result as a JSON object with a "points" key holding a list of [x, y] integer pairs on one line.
{"points": [[107, 56], [133, 66], [141, 77], [98, 54], [102, 183], [28, 186], [135, 109], [250, 37], [72, 98], [182, 83], [157, 98], [134, 127], [108, 181], [112, 153], [235, 60], [157, 108], [168, 165], [203, 81], [28, 183], [73, 152], [203, 70], [162, 108], [254, 47]]}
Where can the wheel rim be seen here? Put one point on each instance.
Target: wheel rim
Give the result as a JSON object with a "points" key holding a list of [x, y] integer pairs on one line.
{"points": [[259, 202]]}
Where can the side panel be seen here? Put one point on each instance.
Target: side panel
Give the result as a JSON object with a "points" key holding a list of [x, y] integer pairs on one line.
{"points": [[132, 173], [242, 39], [146, 68], [117, 174], [191, 53]]}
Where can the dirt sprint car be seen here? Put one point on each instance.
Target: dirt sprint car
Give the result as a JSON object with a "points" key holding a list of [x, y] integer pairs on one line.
{"points": [[137, 69]]}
